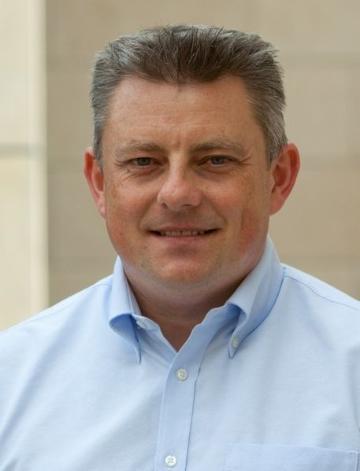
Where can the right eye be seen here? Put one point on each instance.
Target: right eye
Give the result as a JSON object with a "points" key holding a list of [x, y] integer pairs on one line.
{"points": [[142, 161]]}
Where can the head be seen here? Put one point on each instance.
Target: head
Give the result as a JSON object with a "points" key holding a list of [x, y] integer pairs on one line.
{"points": [[194, 54], [190, 156]]}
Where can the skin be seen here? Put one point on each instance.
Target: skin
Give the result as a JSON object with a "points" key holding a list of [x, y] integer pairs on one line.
{"points": [[186, 158]]}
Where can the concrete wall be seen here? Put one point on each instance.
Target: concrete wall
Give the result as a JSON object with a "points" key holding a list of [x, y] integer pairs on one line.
{"points": [[23, 246], [319, 43]]}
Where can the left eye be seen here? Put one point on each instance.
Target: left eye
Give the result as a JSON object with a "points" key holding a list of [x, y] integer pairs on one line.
{"points": [[218, 160]]}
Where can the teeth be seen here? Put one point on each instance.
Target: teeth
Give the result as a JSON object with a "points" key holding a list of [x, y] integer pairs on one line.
{"points": [[186, 233]]}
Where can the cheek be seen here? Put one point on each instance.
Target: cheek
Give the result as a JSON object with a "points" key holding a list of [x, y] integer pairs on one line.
{"points": [[116, 198], [125, 207], [116, 216], [248, 213]]}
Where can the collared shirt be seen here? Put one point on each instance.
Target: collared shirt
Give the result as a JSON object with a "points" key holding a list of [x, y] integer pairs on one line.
{"points": [[269, 381]]}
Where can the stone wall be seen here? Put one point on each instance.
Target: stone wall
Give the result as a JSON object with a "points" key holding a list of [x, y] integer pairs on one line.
{"points": [[23, 244]]}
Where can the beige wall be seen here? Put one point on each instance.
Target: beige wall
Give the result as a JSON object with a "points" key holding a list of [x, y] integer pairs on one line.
{"points": [[23, 247], [319, 44]]}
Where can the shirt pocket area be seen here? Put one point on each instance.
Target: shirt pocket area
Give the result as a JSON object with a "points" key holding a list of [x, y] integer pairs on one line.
{"points": [[259, 457]]}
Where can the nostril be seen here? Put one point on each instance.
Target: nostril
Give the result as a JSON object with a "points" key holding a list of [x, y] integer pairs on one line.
{"points": [[178, 196]]}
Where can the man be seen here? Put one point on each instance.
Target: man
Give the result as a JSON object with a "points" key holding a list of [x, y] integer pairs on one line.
{"points": [[201, 352]]}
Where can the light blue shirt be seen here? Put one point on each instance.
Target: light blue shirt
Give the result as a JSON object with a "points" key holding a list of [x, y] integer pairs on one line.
{"points": [[268, 382]]}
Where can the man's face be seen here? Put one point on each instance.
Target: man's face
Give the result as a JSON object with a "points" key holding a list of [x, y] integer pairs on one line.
{"points": [[186, 189]]}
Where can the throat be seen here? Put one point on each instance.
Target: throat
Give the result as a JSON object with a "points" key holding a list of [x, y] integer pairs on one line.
{"points": [[177, 311], [176, 336], [176, 326]]}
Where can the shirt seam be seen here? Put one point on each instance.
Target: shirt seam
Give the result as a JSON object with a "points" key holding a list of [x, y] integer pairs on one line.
{"points": [[52, 309], [318, 294]]}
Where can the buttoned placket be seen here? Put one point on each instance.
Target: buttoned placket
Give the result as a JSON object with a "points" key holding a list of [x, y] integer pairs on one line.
{"points": [[178, 400]]}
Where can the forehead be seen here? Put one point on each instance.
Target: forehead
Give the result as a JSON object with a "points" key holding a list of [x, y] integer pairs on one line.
{"points": [[222, 92], [217, 109]]}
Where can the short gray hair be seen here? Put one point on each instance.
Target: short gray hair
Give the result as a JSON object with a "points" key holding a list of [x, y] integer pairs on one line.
{"points": [[186, 53]]}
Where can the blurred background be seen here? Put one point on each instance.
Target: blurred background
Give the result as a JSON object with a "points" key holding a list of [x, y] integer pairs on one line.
{"points": [[52, 242]]}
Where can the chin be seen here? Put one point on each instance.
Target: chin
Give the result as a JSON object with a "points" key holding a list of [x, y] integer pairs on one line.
{"points": [[185, 276]]}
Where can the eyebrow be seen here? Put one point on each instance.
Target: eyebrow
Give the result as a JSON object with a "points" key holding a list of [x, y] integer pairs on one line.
{"points": [[223, 144], [137, 146], [206, 146]]}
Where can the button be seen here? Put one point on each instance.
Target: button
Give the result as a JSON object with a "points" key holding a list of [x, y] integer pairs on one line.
{"points": [[170, 461], [141, 324], [235, 342], [181, 374]]}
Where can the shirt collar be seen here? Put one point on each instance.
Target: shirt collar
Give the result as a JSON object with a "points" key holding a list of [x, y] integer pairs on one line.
{"points": [[253, 299], [122, 307], [256, 295]]}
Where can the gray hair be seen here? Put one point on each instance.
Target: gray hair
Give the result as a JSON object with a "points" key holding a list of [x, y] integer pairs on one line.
{"points": [[185, 53]]}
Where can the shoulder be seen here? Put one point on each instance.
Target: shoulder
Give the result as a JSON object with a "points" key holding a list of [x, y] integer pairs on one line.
{"points": [[317, 313], [319, 303], [318, 290], [53, 340], [56, 319]]}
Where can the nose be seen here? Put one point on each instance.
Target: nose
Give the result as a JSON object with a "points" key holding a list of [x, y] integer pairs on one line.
{"points": [[179, 191]]}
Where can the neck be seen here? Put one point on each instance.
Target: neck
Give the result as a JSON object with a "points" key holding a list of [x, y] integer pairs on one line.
{"points": [[176, 311]]}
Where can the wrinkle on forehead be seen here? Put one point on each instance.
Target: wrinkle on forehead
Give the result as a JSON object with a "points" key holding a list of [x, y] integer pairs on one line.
{"points": [[131, 88], [150, 117]]}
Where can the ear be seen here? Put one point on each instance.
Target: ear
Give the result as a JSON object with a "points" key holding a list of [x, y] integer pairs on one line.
{"points": [[95, 179], [284, 170]]}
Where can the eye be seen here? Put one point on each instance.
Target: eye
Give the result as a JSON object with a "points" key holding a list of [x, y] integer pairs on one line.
{"points": [[142, 161], [141, 165], [218, 160]]}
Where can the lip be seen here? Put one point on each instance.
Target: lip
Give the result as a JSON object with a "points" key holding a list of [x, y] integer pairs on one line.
{"points": [[182, 232]]}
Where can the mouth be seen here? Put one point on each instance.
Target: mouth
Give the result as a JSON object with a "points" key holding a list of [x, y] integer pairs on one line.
{"points": [[184, 232]]}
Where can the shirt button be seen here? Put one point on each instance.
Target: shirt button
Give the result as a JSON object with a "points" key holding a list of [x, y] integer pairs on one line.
{"points": [[181, 374], [235, 342], [141, 324], [170, 461]]}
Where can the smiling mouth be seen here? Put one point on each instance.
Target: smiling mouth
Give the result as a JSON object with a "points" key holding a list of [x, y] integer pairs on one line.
{"points": [[184, 233]]}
